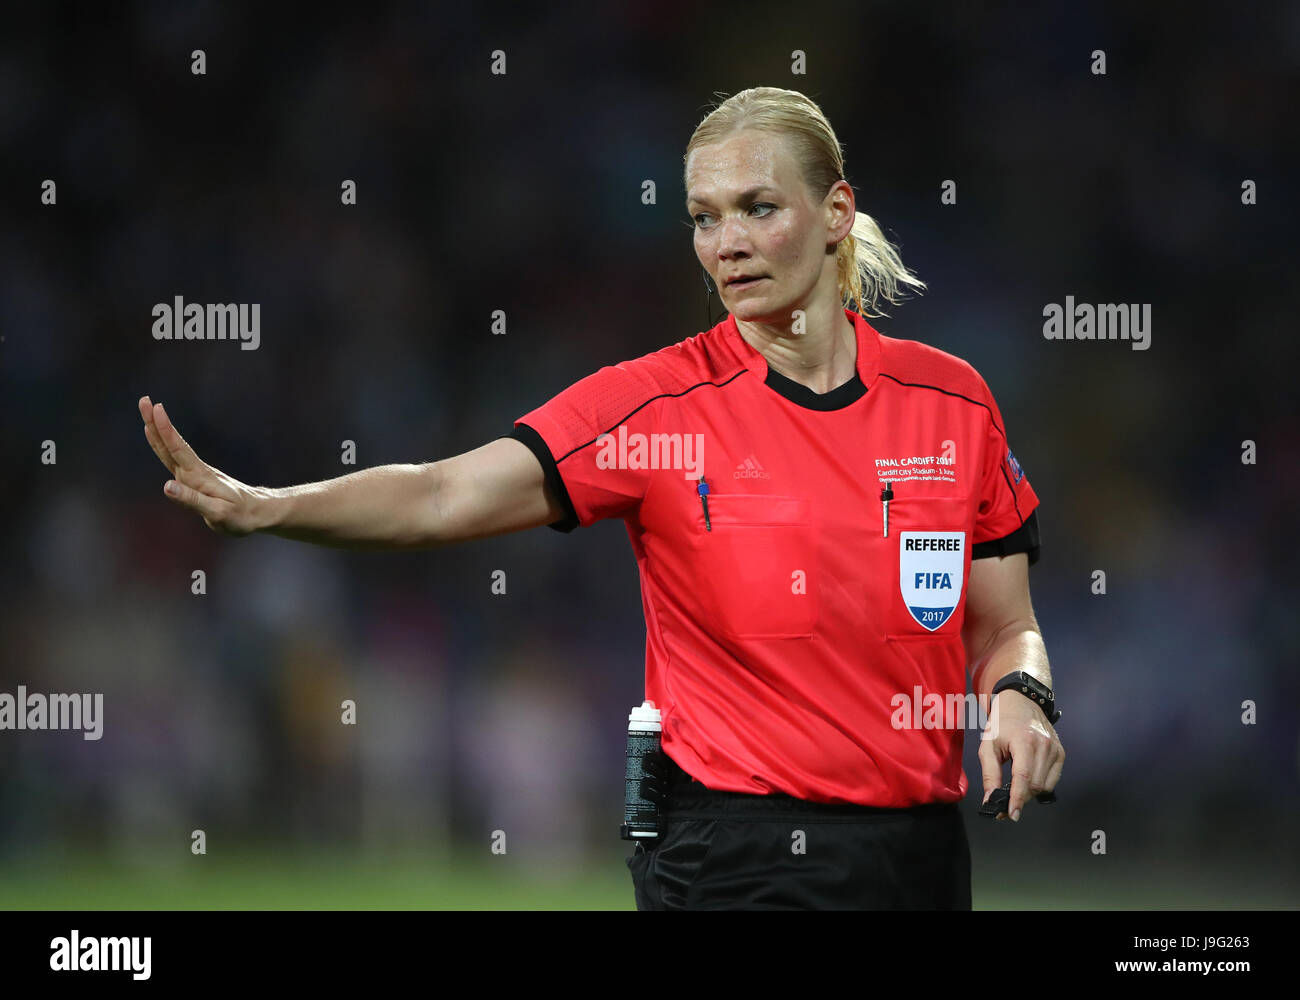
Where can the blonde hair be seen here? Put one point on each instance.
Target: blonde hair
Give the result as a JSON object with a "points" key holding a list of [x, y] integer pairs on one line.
{"points": [[867, 264]]}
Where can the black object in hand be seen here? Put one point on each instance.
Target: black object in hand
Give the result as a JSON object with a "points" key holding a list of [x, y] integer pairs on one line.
{"points": [[1000, 799]]}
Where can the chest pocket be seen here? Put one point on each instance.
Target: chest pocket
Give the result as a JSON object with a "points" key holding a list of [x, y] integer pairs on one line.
{"points": [[929, 560], [755, 571]]}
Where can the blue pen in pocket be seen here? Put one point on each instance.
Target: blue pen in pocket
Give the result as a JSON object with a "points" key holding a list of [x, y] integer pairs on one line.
{"points": [[703, 488]]}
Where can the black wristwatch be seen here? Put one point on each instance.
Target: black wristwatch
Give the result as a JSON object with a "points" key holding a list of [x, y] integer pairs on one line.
{"points": [[1033, 689]]}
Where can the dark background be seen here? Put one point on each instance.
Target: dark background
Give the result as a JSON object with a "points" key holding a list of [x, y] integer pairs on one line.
{"points": [[522, 193]]}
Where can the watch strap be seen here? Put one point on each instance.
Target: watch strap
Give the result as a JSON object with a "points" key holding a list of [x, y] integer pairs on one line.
{"points": [[1033, 689]]}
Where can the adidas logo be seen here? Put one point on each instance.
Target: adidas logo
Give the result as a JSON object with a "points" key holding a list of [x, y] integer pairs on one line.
{"points": [[750, 469]]}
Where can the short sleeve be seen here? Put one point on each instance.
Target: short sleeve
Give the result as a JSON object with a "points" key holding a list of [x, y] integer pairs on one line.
{"points": [[583, 437], [1007, 520]]}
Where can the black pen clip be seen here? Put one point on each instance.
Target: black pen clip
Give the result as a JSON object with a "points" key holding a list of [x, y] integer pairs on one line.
{"points": [[703, 489]]}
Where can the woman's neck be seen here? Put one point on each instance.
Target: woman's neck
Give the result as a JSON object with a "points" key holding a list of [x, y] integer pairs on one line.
{"points": [[823, 357]]}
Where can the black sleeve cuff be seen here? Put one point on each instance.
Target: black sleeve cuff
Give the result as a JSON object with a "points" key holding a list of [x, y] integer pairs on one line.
{"points": [[1023, 539], [537, 446]]}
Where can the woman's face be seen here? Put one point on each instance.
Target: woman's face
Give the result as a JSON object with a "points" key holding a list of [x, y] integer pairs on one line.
{"points": [[755, 219]]}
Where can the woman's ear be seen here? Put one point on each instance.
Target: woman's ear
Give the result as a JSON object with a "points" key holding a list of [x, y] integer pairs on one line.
{"points": [[841, 211]]}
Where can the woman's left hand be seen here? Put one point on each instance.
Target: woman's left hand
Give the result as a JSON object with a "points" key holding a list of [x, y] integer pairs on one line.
{"points": [[1018, 731]]}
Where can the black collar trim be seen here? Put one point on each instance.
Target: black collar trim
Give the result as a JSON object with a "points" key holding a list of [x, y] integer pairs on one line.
{"points": [[838, 398]]}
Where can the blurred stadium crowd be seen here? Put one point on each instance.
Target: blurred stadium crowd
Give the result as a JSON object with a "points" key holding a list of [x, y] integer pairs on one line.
{"points": [[478, 711]]}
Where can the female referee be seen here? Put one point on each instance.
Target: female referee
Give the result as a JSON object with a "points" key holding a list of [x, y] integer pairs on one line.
{"points": [[831, 531]]}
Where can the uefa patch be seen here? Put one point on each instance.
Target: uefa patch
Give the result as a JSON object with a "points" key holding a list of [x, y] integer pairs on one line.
{"points": [[1015, 466], [930, 570]]}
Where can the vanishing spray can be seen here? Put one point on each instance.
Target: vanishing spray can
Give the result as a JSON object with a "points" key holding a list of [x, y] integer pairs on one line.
{"points": [[640, 815]]}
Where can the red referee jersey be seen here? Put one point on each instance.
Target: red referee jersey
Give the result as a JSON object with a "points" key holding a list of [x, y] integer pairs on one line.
{"points": [[783, 630]]}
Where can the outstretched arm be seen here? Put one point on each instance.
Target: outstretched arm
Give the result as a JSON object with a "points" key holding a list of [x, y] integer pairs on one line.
{"points": [[492, 490]]}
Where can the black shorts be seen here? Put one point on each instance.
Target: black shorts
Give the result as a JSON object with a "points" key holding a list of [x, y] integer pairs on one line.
{"points": [[728, 850]]}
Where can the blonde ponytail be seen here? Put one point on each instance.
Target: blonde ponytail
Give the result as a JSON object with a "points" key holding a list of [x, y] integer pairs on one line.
{"points": [[869, 268]]}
